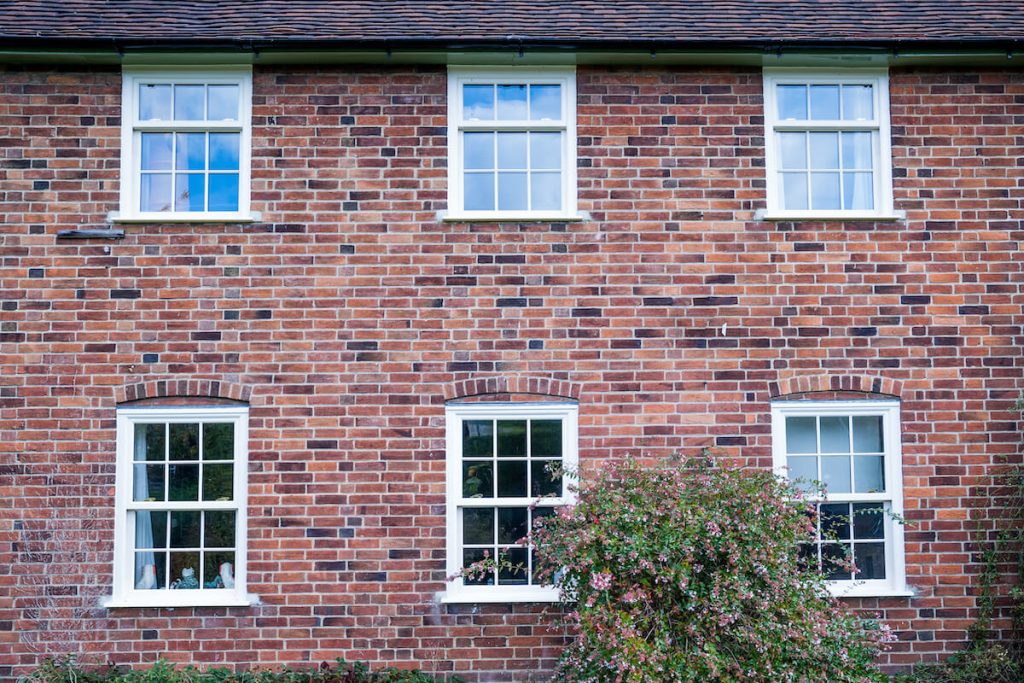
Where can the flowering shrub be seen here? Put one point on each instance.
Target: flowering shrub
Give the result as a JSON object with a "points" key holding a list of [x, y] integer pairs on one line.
{"points": [[690, 573]]}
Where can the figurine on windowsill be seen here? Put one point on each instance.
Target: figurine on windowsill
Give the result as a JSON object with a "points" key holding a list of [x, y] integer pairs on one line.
{"points": [[225, 579], [148, 579], [187, 581]]}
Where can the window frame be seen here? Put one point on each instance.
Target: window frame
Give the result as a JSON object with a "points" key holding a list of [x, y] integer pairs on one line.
{"points": [[889, 410], [458, 77], [879, 127], [132, 128], [455, 414], [124, 592]]}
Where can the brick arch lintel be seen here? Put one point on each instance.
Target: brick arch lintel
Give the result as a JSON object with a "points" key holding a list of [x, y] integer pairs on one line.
{"points": [[163, 388], [805, 384], [512, 384]]}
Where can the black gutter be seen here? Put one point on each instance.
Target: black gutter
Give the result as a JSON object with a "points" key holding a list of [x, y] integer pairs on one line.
{"points": [[508, 42]]}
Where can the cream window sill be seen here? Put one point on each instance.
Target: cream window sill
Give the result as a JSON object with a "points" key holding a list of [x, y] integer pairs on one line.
{"points": [[512, 217], [498, 595], [867, 591], [185, 218], [851, 216], [171, 602]]}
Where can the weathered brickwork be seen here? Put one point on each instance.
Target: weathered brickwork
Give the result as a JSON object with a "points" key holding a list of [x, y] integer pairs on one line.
{"points": [[351, 313]]}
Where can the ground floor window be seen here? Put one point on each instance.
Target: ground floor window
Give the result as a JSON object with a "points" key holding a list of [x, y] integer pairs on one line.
{"points": [[504, 470], [851, 450]]}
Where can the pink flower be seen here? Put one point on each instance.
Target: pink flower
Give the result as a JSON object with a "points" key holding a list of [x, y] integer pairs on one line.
{"points": [[601, 581]]}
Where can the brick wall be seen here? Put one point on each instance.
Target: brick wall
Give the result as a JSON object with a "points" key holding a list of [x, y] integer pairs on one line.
{"points": [[350, 314]]}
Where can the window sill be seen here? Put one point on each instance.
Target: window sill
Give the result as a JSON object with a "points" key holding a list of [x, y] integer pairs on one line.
{"points": [[867, 591], [851, 216], [495, 217], [162, 601], [497, 595], [253, 217]]}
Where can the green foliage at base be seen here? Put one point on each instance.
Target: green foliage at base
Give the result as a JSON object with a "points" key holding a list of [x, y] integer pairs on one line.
{"points": [[988, 664], [68, 670]]}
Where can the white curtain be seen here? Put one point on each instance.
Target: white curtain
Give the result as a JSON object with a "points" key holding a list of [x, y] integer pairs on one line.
{"points": [[143, 519]]}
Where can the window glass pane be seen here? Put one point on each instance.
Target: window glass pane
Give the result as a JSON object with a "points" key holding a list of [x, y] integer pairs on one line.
{"points": [[223, 192], [858, 102], [792, 100], [222, 102], [477, 438], [148, 482], [868, 521], [150, 529], [149, 442], [858, 191], [794, 191], [545, 102], [219, 529], [478, 526], [188, 192], [835, 473], [185, 525], [218, 481], [156, 151], [512, 526], [155, 192], [545, 438], [512, 151], [869, 558], [511, 438], [867, 434], [185, 571], [868, 474], [793, 150], [514, 571], [219, 570], [824, 150], [154, 102], [150, 570], [188, 102], [471, 556], [803, 468], [545, 150], [512, 102], [800, 435], [835, 521], [857, 151], [478, 191], [825, 191], [478, 150], [512, 192], [478, 102], [511, 478], [190, 153], [835, 434], [825, 102], [477, 480], [545, 481], [546, 191], [183, 482], [835, 561], [224, 151], [218, 441], [184, 441]]}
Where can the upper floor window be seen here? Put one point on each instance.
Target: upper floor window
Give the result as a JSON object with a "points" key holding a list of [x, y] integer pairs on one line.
{"points": [[180, 529], [827, 144], [186, 144], [852, 449], [504, 471], [512, 144]]}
